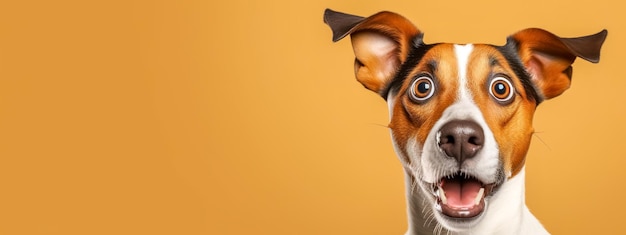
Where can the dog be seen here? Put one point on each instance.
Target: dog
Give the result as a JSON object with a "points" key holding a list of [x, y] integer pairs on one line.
{"points": [[461, 115]]}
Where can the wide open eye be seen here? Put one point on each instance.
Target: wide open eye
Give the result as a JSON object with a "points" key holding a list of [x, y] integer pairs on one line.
{"points": [[501, 89], [422, 89]]}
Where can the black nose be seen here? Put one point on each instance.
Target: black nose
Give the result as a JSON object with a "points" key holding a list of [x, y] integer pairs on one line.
{"points": [[461, 139]]}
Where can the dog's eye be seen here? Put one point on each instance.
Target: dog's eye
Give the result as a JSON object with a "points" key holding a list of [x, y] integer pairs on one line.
{"points": [[422, 88], [501, 89]]}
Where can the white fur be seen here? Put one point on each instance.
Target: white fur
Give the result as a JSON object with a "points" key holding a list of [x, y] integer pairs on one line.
{"points": [[507, 212], [462, 58]]}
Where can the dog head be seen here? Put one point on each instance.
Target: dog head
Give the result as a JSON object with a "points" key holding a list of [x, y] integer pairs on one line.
{"points": [[461, 115]]}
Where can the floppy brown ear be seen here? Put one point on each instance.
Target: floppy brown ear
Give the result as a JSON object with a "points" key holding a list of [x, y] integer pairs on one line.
{"points": [[548, 58], [381, 44]]}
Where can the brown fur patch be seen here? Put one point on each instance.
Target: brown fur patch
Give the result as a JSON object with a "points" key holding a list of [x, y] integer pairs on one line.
{"points": [[511, 123]]}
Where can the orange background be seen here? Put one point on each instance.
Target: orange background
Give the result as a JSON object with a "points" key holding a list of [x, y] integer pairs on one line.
{"points": [[241, 117]]}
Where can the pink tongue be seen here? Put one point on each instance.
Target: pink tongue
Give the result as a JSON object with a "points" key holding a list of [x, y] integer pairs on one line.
{"points": [[461, 192]]}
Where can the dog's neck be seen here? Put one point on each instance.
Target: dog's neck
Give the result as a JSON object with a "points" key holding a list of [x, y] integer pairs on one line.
{"points": [[506, 213]]}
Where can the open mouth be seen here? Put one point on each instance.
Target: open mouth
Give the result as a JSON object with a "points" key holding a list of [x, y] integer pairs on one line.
{"points": [[461, 196]]}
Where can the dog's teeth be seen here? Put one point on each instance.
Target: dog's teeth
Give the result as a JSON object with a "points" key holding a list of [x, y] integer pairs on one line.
{"points": [[442, 196], [479, 196]]}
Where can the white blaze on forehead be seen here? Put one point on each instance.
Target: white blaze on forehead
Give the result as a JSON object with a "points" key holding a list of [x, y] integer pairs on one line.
{"points": [[462, 57]]}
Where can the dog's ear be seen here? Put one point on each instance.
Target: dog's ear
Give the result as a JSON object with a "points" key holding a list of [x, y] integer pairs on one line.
{"points": [[381, 44], [548, 58]]}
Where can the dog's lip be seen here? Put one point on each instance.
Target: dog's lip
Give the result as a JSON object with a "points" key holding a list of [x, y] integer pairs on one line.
{"points": [[467, 211]]}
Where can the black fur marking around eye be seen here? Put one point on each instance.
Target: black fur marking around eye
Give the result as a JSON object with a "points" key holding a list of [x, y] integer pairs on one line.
{"points": [[509, 51]]}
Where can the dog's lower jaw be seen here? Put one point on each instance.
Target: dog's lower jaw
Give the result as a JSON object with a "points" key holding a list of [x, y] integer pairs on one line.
{"points": [[506, 212]]}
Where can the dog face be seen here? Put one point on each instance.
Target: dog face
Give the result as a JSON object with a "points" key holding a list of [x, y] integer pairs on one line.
{"points": [[461, 123], [461, 115]]}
